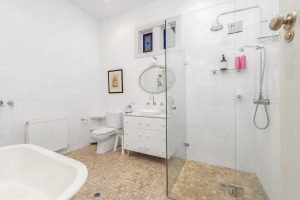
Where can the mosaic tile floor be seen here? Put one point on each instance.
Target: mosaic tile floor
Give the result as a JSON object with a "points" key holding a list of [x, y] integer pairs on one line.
{"points": [[117, 177], [205, 183], [142, 177]]}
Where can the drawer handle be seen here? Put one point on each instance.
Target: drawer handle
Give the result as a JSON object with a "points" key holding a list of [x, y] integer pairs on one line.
{"points": [[140, 123]]}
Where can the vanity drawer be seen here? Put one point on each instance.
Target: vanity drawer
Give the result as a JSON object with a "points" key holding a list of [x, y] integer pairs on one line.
{"points": [[155, 124], [155, 143], [134, 140], [134, 122]]}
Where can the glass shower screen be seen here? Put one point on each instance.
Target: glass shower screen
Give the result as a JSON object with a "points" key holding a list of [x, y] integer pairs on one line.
{"points": [[176, 103]]}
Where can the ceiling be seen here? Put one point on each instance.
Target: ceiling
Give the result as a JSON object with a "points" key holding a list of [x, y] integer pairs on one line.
{"points": [[105, 8]]}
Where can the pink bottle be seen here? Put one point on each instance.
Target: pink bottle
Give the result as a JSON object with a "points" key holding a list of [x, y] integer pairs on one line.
{"points": [[237, 63], [243, 62]]}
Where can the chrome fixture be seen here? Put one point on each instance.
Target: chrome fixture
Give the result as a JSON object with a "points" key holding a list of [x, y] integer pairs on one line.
{"points": [[1, 103], [84, 120], [153, 100], [289, 22], [239, 97], [11, 103], [172, 107], [257, 47], [260, 100], [217, 26]]}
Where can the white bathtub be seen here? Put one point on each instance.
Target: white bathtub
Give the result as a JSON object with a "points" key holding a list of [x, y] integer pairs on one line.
{"points": [[29, 172]]}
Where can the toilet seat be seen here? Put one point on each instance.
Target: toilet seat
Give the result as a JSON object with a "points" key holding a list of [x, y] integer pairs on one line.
{"points": [[102, 133], [107, 136]]}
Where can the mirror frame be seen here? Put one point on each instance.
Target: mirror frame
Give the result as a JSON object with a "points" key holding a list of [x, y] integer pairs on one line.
{"points": [[149, 68]]}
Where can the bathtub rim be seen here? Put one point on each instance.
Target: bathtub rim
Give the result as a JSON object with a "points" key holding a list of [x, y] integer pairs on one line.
{"points": [[81, 169]]}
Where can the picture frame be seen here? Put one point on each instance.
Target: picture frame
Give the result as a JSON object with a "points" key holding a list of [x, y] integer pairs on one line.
{"points": [[115, 81]]}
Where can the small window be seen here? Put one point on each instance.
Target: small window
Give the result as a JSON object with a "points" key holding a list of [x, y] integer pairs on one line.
{"points": [[147, 42], [152, 39], [169, 40]]}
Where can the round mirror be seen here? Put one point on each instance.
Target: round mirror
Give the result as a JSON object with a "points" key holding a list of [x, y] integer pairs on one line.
{"points": [[153, 79]]}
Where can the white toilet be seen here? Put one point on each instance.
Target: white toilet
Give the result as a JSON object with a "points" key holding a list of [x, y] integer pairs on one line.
{"points": [[106, 136]]}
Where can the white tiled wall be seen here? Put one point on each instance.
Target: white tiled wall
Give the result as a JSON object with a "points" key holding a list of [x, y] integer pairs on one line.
{"points": [[49, 66], [220, 128]]}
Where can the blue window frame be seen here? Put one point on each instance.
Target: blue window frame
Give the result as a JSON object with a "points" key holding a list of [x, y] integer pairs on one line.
{"points": [[147, 42], [165, 35]]}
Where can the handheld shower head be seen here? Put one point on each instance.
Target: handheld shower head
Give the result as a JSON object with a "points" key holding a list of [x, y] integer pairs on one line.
{"points": [[217, 26]]}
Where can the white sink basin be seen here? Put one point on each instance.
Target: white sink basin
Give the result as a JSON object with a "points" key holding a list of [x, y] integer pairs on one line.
{"points": [[150, 112]]}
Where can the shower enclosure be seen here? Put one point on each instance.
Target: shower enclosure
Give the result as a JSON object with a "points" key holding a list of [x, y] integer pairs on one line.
{"points": [[222, 130]]}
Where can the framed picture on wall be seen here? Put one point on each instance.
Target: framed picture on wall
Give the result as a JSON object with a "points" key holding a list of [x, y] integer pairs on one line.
{"points": [[115, 81]]}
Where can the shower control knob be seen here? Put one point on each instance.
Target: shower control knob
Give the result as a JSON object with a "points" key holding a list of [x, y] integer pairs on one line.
{"points": [[11, 103], [1, 103], [239, 96], [173, 107]]}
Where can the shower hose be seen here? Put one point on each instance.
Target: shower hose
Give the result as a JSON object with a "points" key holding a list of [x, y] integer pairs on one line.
{"points": [[261, 100]]}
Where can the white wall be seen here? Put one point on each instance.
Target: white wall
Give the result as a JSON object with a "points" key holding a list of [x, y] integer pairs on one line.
{"points": [[118, 48], [290, 109], [49, 66]]}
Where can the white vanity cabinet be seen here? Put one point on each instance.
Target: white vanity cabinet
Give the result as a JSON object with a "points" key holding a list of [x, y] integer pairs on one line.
{"points": [[145, 135]]}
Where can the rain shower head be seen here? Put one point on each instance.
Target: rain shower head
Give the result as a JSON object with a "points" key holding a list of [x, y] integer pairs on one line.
{"points": [[217, 26]]}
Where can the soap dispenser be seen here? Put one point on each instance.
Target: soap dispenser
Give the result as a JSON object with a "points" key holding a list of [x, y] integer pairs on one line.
{"points": [[223, 63]]}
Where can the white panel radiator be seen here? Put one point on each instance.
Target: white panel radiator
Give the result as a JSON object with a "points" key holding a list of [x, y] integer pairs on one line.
{"points": [[51, 134]]}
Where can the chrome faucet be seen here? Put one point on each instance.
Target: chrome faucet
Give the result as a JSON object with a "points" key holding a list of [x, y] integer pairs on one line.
{"points": [[153, 101]]}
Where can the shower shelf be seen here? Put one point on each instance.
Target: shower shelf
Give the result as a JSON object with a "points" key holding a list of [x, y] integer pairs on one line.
{"points": [[275, 37], [225, 70]]}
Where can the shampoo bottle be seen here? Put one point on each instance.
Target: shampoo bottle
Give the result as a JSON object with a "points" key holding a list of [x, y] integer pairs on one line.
{"points": [[223, 63]]}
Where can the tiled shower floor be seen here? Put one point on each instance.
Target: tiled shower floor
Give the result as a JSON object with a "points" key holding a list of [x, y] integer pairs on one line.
{"points": [[142, 177], [199, 181]]}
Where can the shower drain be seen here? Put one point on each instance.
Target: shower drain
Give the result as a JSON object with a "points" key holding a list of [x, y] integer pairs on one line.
{"points": [[97, 196], [232, 190], [235, 191]]}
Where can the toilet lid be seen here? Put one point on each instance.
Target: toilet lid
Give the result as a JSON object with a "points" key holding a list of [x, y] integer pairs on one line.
{"points": [[103, 131]]}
